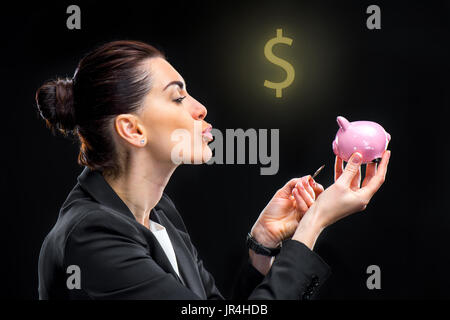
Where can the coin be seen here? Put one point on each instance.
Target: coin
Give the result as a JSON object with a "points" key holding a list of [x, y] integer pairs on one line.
{"points": [[318, 171]]}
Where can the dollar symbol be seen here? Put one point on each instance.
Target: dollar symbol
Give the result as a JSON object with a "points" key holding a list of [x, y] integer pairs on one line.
{"points": [[279, 62]]}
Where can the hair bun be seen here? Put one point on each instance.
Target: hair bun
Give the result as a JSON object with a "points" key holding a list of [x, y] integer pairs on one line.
{"points": [[56, 105]]}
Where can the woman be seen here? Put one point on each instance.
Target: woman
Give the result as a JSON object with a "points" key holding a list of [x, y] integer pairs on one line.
{"points": [[119, 236]]}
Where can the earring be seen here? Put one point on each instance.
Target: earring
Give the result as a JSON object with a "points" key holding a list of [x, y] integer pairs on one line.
{"points": [[142, 141]]}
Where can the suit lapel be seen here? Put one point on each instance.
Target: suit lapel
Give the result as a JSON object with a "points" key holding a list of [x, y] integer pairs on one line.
{"points": [[185, 260], [94, 183], [156, 251]]}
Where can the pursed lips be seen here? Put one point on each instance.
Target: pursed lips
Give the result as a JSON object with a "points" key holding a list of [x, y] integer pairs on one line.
{"points": [[207, 135]]}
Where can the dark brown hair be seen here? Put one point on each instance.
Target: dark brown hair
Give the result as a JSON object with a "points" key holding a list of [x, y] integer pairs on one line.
{"points": [[108, 81]]}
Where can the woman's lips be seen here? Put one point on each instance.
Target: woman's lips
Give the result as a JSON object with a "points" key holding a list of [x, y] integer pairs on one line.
{"points": [[207, 135]]}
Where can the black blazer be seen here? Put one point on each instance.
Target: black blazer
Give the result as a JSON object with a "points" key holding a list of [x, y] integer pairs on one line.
{"points": [[119, 258]]}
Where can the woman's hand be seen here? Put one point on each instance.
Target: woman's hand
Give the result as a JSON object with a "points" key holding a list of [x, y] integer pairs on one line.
{"points": [[279, 219], [342, 198]]}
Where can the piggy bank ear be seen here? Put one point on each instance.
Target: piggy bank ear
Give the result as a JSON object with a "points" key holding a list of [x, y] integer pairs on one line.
{"points": [[388, 136], [342, 122]]}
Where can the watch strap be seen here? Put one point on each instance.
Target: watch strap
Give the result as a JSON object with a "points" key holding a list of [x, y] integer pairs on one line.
{"points": [[260, 249]]}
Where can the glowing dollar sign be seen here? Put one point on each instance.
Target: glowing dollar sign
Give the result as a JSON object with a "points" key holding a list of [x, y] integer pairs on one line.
{"points": [[279, 62]]}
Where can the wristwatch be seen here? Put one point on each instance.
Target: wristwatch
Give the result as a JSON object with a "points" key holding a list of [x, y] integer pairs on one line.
{"points": [[260, 249]]}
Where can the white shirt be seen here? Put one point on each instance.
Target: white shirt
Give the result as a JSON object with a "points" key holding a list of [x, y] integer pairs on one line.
{"points": [[161, 235]]}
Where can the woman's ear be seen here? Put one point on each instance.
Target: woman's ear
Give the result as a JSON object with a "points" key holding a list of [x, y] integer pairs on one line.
{"points": [[129, 128], [142, 132]]}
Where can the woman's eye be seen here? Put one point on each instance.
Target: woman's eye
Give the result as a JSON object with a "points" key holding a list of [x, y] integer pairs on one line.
{"points": [[179, 100]]}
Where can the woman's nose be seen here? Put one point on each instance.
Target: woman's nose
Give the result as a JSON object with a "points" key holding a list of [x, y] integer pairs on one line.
{"points": [[198, 110]]}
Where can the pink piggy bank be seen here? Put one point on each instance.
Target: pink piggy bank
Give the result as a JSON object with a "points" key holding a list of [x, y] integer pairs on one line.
{"points": [[366, 137]]}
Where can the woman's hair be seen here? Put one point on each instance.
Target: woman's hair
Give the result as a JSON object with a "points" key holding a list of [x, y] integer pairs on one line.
{"points": [[108, 81]]}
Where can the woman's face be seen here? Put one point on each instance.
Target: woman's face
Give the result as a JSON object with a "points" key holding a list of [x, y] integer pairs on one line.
{"points": [[175, 129]]}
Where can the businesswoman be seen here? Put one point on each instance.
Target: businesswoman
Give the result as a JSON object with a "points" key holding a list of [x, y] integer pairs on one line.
{"points": [[119, 236]]}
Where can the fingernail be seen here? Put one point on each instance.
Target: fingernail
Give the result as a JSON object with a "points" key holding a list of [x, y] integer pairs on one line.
{"points": [[357, 158], [305, 183]]}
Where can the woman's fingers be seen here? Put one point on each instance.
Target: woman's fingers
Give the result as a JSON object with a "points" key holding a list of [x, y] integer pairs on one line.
{"points": [[317, 187], [290, 186], [371, 170], [352, 169], [304, 194], [301, 204], [356, 182], [286, 190], [338, 168], [307, 186], [377, 180]]}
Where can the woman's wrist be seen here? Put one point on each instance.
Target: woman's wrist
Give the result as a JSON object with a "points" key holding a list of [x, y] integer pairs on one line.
{"points": [[260, 262], [260, 234], [309, 228]]}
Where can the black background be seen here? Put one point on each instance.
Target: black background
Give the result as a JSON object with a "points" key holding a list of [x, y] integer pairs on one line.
{"points": [[397, 76]]}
